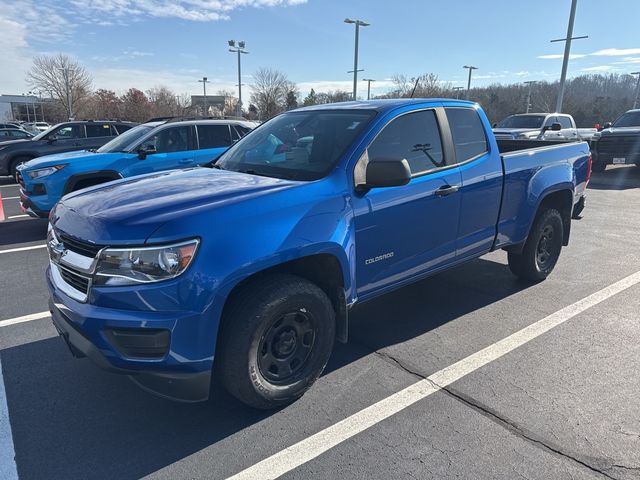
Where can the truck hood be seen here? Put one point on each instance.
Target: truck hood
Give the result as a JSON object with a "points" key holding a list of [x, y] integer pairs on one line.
{"points": [[515, 131], [58, 158], [128, 211], [13, 142]]}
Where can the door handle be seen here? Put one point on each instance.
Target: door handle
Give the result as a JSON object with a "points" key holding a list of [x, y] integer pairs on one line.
{"points": [[184, 160], [447, 190]]}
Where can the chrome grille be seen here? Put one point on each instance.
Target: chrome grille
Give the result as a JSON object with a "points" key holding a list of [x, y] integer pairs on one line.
{"points": [[77, 281], [78, 246]]}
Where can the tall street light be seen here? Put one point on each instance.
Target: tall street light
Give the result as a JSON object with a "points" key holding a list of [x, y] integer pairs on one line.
{"points": [[471, 69], [567, 52], [457, 90], [635, 100], [530, 83], [204, 82], [358, 24], [239, 49], [368, 80]]}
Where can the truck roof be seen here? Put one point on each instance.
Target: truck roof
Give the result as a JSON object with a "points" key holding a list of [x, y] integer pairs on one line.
{"points": [[382, 105]]}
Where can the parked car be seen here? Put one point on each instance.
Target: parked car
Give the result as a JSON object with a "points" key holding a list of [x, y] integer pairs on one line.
{"points": [[151, 147], [64, 137], [543, 126], [13, 134], [255, 264], [10, 125], [618, 143]]}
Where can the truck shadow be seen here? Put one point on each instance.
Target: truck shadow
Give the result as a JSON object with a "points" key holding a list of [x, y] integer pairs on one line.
{"points": [[71, 420], [23, 231], [616, 178]]}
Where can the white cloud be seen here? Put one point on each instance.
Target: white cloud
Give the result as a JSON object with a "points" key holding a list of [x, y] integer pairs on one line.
{"points": [[616, 52], [628, 61], [16, 57], [599, 68], [555, 56], [379, 86]]}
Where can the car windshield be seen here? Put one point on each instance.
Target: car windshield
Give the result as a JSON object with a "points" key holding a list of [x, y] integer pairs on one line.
{"points": [[124, 140], [302, 145], [522, 121], [41, 135], [629, 119]]}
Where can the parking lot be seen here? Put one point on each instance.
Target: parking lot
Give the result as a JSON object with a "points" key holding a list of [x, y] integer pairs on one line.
{"points": [[554, 403]]}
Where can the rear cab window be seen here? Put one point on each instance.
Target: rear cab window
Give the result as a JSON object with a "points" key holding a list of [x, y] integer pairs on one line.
{"points": [[214, 136], [98, 130], [468, 133]]}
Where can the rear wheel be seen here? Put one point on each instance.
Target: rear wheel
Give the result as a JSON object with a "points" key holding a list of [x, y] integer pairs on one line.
{"points": [[542, 248], [276, 339]]}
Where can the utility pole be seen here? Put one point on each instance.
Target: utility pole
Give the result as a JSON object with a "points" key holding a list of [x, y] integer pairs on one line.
{"points": [[471, 69], [358, 24], [567, 52], [635, 99], [368, 80], [457, 90], [530, 83], [204, 82], [239, 49]]}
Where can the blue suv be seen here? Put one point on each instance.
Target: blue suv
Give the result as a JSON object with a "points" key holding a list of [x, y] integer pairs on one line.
{"points": [[147, 148]]}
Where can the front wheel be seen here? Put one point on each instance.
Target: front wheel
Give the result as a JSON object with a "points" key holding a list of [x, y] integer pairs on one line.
{"points": [[542, 248], [277, 336]]}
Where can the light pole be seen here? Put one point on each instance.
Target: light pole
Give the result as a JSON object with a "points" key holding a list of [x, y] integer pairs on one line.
{"points": [[635, 99], [530, 83], [457, 90], [34, 105], [471, 69], [204, 82], [239, 49], [358, 24], [567, 52], [368, 80]]}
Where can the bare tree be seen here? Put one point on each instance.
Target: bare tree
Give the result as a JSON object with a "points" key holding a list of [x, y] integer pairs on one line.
{"points": [[269, 92], [230, 105], [163, 102], [63, 78], [135, 105]]}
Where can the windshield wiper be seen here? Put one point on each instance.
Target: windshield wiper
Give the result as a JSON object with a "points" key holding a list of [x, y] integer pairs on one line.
{"points": [[216, 166]]}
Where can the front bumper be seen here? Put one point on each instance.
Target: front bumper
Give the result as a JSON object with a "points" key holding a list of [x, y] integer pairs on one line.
{"points": [[27, 206], [175, 374]]}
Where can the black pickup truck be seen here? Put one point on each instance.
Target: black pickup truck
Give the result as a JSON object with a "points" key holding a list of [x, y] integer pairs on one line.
{"points": [[618, 143], [64, 137]]}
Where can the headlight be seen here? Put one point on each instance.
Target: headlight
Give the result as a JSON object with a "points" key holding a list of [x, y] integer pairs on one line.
{"points": [[131, 266], [43, 172]]}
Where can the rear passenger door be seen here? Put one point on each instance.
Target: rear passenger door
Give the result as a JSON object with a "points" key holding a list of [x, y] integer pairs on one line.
{"points": [[403, 232], [97, 134], [481, 190], [213, 141]]}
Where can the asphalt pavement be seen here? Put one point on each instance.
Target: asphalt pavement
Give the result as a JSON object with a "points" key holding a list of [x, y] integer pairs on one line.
{"points": [[562, 404]]}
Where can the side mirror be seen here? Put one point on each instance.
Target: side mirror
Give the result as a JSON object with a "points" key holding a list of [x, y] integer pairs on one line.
{"points": [[145, 150], [555, 127], [387, 173], [608, 125], [52, 139]]}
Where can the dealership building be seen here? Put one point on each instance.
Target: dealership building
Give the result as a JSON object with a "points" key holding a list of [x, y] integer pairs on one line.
{"points": [[26, 108]]}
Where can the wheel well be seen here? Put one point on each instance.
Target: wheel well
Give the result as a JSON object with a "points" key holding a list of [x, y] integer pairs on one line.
{"points": [[83, 181], [562, 201], [16, 160], [323, 270]]}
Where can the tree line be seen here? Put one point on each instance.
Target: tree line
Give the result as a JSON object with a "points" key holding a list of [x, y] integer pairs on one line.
{"points": [[591, 99]]}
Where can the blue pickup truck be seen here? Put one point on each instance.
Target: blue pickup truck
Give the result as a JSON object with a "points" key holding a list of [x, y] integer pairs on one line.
{"points": [[246, 272], [150, 147]]}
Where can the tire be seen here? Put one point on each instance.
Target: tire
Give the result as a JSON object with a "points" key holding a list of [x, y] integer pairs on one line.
{"points": [[13, 165], [276, 339], [542, 248], [598, 167]]}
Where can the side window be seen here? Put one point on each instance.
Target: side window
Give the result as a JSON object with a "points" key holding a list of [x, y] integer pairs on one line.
{"points": [[565, 122], [468, 134], [214, 136], [98, 130], [118, 129], [67, 132], [242, 130], [549, 121], [415, 137], [175, 139]]}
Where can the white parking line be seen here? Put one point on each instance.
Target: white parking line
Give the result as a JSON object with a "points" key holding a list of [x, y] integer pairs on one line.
{"points": [[8, 468], [10, 198], [315, 445], [25, 318], [17, 216], [22, 249], [14, 185]]}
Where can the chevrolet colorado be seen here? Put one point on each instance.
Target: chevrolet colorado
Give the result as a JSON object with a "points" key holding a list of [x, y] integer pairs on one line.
{"points": [[249, 269]]}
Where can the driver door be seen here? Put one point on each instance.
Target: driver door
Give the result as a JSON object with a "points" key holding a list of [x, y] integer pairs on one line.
{"points": [[170, 148], [406, 231], [65, 139]]}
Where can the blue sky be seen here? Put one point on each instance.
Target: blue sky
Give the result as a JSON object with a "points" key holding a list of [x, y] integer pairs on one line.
{"points": [[145, 43]]}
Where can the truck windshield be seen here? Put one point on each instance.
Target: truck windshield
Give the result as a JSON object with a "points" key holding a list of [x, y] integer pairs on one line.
{"points": [[629, 119], [124, 140], [302, 145], [522, 121]]}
